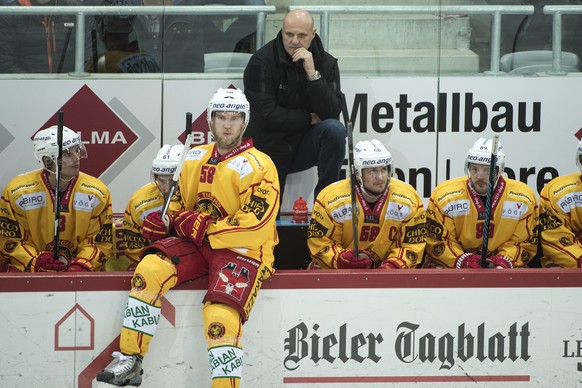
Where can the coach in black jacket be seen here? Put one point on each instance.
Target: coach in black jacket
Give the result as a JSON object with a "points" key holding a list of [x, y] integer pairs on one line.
{"points": [[293, 87]]}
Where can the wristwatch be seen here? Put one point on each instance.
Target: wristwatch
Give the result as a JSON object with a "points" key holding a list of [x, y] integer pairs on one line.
{"points": [[314, 77]]}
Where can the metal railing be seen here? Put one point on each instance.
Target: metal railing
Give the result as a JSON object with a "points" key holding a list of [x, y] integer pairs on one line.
{"points": [[82, 11], [496, 11], [557, 11]]}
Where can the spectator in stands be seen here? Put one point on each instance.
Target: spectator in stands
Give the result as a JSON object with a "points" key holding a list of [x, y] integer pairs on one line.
{"points": [[457, 209], [390, 217], [37, 43], [27, 210], [293, 86], [561, 219], [147, 202], [121, 55], [228, 33], [225, 226]]}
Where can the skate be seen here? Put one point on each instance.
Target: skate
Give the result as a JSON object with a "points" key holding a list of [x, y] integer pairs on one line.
{"points": [[124, 370]]}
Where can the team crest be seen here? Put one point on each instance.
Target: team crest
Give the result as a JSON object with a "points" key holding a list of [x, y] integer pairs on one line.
{"points": [[411, 256], [231, 282], [9, 246], [216, 330], [138, 283], [232, 221], [207, 204], [438, 249], [565, 241]]}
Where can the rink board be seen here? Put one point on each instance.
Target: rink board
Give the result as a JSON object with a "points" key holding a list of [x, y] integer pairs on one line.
{"points": [[312, 329]]}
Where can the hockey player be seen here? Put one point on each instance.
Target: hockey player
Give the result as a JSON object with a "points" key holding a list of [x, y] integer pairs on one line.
{"points": [[561, 219], [226, 229], [456, 211], [146, 204], [28, 212], [391, 221]]}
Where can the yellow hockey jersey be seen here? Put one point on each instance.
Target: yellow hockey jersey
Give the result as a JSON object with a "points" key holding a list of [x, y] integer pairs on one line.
{"points": [[455, 222], [240, 190], [394, 229], [145, 200], [27, 219], [561, 220]]}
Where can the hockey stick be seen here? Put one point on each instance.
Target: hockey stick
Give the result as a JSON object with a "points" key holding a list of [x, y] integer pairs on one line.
{"points": [[493, 162], [58, 166], [187, 144], [352, 172]]}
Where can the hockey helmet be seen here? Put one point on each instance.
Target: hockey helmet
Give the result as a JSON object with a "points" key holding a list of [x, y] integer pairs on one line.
{"points": [[45, 143], [579, 155], [166, 160], [371, 154], [228, 100], [480, 153]]}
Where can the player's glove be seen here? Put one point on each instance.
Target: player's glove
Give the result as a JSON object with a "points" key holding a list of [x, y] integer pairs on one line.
{"points": [[79, 264], [468, 260], [348, 259], [154, 228], [500, 261], [45, 262], [388, 264], [192, 225]]}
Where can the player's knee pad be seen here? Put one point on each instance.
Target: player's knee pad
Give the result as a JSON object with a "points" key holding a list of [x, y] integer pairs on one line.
{"points": [[223, 330], [154, 276]]}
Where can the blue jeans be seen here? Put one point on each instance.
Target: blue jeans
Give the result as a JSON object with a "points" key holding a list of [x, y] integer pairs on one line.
{"points": [[324, 146]]}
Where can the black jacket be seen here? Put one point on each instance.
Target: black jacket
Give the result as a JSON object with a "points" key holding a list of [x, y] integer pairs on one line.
{"points": [[282, 98]]}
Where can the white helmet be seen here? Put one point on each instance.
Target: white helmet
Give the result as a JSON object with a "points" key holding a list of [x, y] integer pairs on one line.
{"points": [[370, 154], [228, 100], [579, 155], [166, 160], [45, 143], [480, 153]]}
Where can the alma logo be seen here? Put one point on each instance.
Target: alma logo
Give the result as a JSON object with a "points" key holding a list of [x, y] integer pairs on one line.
{"points": [[104, 134]]}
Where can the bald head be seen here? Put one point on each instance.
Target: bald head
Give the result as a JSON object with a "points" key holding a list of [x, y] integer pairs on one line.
{"points": [[297, 30]]}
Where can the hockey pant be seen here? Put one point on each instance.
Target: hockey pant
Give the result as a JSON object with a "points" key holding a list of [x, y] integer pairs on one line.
{"points": [[155, 276]]}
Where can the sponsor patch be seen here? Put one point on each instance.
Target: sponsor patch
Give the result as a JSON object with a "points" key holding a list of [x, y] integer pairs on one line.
{"points": [[32, 201], [256, 205], [414, 234], [9, 228], [438, 249], [240, 165], [397, 211], [315, 229], [513, 210], [457, 208], [140, 316], [434, 229], [85, 202], [226, 361], [195, 154], [570, 201], [342, 213], [216, 330]]}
